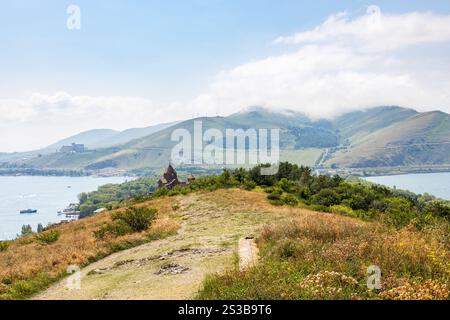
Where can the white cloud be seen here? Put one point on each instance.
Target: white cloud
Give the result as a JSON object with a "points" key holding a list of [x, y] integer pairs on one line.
{"points": [[376, 31], [346, 63]]}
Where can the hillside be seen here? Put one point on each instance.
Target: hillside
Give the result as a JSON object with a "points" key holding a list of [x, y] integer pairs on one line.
{"points": [[174, 268], [377, 137], [190, 252], [419, 140], [356, 125], [92, 139], [89, 138], [300, 137]]}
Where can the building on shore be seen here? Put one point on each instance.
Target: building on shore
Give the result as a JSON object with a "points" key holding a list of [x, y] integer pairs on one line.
{"points": [[74, 148]]}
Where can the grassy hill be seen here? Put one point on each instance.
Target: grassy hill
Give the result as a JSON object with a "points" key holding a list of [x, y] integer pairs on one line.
{"points": [[378, 137], [190, 252], [187, 247], [356, 125], [298, 135], [421, 139]]}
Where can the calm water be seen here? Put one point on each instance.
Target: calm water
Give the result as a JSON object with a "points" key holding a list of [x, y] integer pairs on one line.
{"points": [[436, 184], [46, 194]]}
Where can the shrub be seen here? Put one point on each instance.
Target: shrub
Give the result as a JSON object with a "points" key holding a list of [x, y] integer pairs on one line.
{"points": [[326, 197], [3, 246], [275, 197], [138, 219], [117, 229], [289, 199], [356, 202], [130, 221], [48, 237], [249, 185], [344, 210], [438, 209], [399, 212], [287, 185]]}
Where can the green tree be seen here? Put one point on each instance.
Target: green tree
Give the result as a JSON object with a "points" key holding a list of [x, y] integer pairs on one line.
{"points": [[326, 197], [40, 228], [26, 230]]}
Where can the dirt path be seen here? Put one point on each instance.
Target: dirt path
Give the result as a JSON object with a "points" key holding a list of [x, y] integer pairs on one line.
{"points": [[174, 268], [248, 253]]}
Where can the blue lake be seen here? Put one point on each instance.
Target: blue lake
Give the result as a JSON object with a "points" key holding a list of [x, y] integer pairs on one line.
{"points": [[436, 184], [46, 194]]}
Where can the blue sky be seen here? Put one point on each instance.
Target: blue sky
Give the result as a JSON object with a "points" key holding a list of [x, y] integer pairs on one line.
{"points": [[166, 53], [150, 48]]}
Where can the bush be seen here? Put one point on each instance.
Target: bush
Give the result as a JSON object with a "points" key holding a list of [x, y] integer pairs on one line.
{"points": [[48, 237], [249, 185], [289, 199], [117, 229], [130, 221], [438, 209], [287, 185], [138, 219], [344, 210], [3, 246], [399, 212], [326, 197], [275, 197]]}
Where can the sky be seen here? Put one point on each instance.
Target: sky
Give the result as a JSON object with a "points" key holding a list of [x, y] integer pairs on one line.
{"points": [[135, 63]]}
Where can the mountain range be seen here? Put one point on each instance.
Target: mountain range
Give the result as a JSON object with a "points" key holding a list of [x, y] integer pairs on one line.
{"points": [[388, 136]]}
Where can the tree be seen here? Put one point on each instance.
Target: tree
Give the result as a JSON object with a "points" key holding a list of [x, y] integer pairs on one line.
{"points": [[40, 228], [326, 197], [83, 197], [438, 209], [26, 230]]}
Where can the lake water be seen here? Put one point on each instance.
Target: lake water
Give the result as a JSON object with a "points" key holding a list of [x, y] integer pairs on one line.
{"points": [[436, 184], [46, 194]]}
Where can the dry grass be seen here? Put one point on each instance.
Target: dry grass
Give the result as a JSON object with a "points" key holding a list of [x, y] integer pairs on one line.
{"points": [[211, 225], [28, 265], [326, 256], [304, 254]]}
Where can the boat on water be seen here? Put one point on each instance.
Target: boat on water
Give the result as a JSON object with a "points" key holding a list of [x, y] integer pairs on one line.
{"points": [[28, 211], [71, 213]]}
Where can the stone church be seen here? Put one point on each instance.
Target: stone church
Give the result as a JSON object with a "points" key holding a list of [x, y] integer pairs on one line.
{"points": [[170, 179]]}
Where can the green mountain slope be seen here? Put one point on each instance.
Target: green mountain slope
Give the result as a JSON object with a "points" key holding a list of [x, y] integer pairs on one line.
{"points": [[131, 134], [358, 124], [378, 137], [297, 132], [423, 139]]}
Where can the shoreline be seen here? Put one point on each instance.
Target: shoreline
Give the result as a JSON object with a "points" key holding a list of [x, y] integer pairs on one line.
{"points": [[384, 171]]}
